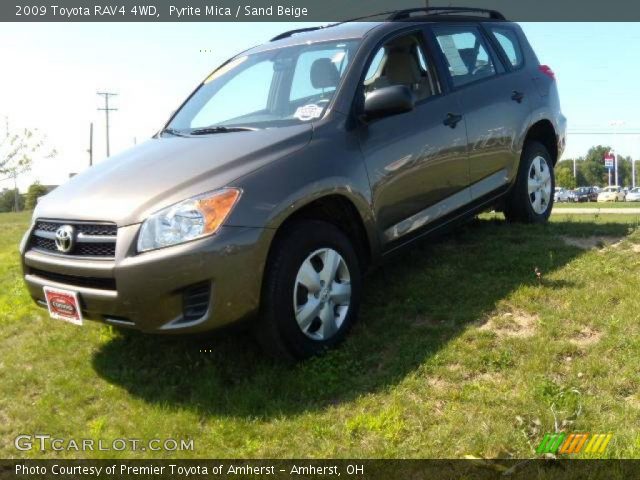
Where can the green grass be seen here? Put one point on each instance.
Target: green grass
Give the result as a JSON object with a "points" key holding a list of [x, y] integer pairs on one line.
{"points": [[597, 205], [460, 350]]}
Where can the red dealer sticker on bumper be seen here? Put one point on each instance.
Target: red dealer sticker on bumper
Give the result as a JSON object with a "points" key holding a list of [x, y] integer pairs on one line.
{"points": [[63, 305]]}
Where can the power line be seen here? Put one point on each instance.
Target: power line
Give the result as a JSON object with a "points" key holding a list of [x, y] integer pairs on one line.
{"points": [[106, 110]]}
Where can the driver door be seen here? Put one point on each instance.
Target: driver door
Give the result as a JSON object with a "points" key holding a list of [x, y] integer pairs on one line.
{"points": [[417, 165]]}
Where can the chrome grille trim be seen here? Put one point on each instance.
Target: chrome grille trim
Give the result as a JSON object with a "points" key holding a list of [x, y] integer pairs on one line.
{"points": [[92, 240]]}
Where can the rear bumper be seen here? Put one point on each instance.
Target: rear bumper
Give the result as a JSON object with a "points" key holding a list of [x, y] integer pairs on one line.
{"points": [[151, 291]]}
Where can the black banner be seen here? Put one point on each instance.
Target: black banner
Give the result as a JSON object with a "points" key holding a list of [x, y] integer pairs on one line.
{"points": [[300, 10], [320, 469]]}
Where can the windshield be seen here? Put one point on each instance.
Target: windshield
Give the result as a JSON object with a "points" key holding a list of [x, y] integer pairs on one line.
{"points": [[284, 86]]}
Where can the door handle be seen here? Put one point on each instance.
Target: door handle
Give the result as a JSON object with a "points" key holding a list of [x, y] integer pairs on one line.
{"points": [[517, 96], [452, 120]]}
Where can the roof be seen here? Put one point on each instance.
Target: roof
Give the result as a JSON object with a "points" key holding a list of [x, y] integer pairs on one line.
{"points": [[327, 33], [359, 28]]}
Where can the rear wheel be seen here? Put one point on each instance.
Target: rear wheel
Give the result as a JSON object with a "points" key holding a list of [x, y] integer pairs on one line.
{"points": [[312, 290], [531, 198]]}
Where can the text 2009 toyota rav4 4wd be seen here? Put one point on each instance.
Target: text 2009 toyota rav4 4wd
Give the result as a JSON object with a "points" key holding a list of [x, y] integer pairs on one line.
{"points": [[293, 168]]}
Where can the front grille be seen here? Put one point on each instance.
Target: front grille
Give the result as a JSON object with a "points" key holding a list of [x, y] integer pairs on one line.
{"points": [[95, 249], [99, 229], [195, 302], [43, 243], [90, 239], [75, 280]]}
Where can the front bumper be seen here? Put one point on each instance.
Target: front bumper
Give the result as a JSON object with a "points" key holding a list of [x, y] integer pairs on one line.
{"points": [[148, 291]]}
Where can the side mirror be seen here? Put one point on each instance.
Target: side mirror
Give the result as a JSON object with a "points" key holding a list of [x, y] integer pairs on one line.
{"points": [[387, 101]]}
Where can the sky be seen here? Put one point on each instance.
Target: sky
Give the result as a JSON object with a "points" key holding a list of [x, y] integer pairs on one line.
{"points": [[51, 72]]}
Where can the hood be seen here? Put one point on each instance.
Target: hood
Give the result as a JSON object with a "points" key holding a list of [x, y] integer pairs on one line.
{"points": [[128, 187]]}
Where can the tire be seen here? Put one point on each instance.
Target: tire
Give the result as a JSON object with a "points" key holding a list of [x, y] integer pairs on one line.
{"points": [[536, 169], [305, 312]]}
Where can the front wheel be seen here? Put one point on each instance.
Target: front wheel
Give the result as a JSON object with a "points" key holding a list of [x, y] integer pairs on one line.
{"points": [[312, 291], [531, 198]]}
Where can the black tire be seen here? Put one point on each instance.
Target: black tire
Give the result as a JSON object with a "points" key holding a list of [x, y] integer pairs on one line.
{"points": [[277, 329], [519, 206]]}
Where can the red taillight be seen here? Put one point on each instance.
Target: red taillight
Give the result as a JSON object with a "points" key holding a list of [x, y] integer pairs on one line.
{"points": [[546, 69]]}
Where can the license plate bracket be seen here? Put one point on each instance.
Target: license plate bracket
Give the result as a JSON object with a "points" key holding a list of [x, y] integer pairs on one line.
{"points": [[63, 305]]}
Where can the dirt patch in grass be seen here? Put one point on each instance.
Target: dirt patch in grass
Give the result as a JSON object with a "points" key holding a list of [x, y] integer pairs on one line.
{"points": [[635, 247], [439, 383], [587, 336], [593, 242], [633, 401], [512, 324]]}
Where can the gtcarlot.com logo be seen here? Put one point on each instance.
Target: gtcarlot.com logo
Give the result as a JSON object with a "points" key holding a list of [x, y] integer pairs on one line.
{"points": [[44, 442], [574, 443]]}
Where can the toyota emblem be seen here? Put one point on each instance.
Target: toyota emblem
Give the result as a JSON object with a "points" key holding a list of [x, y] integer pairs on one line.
{"points": [[65, 238]]}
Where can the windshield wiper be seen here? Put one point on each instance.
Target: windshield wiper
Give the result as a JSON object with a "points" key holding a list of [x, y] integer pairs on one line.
{"points": [[220, 129], [174, 132]]}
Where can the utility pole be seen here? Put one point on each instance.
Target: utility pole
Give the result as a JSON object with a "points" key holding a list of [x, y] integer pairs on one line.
{"points": [[106, 110], [90, 151]]}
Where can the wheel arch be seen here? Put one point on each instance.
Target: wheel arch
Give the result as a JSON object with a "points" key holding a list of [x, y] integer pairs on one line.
{"points": [[342, 212], [544, 132]]}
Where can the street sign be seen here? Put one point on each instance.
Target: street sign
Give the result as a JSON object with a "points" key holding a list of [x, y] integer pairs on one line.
{"points": [[608, 160]]}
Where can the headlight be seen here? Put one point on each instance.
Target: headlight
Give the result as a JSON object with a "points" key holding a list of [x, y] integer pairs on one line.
{"points": [[193, 218]]}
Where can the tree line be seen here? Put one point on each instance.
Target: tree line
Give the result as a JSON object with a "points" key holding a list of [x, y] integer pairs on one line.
{"points": [[10, 199], [590, 170]]}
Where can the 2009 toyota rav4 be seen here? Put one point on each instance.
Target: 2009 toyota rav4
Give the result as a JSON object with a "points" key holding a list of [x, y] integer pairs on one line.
{"points": [[293, 168]]}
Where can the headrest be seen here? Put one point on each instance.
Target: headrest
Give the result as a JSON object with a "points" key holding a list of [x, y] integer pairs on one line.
{"points": [[402, 68], [324, 73], [469, 56]]}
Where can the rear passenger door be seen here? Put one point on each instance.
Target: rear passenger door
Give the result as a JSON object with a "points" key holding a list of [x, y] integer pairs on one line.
{"points": [[494, 97]]}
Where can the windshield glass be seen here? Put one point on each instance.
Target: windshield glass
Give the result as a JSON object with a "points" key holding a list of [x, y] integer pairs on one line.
{"points": [[284, 86]]}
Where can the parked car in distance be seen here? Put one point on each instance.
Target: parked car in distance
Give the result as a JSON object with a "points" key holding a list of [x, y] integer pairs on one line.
{"points": [[633, 195], [585, 194], [561, 195], [611, 194], [295, 167]]}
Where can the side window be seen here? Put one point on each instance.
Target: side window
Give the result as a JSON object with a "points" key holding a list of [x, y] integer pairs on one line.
{"points": [[466, 53], [508, 40], [401, 61], [302, 85]]}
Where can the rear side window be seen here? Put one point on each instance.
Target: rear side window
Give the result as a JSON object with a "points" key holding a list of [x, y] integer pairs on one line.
{"points": [[466, 53], [508, 40]]}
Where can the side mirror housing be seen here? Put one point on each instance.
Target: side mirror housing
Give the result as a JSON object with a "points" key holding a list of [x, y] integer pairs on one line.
{"points": [[388, 101]]}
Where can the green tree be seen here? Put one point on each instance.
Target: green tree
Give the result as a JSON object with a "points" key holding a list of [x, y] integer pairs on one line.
{"points": [[35, 191], [564, 174], [624, 171], [17, 149], [8, 200], [591, 168]]}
